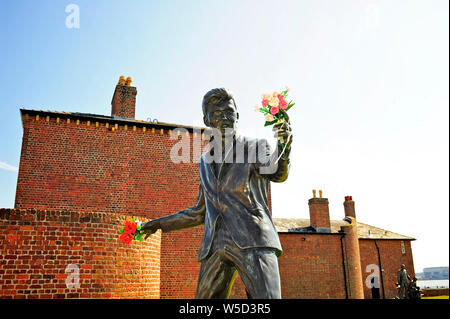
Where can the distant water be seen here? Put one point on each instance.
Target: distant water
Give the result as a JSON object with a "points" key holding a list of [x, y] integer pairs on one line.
{"points": [[423, 284]]}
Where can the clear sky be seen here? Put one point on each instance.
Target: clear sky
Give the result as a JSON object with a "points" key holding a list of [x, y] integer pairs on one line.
{"points": [[369, 78]]}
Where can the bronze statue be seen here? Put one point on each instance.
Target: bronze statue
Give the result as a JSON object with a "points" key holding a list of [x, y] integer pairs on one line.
{"points": [[239, 234], [414, 292], [403, 282]]}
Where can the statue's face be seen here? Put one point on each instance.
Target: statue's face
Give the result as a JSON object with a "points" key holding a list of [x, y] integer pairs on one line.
{"points": [[223, 116]]}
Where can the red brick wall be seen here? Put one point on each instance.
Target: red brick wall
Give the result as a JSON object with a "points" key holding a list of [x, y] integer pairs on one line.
{"points": [[70, 166], [311, 266], [391, 260], [37, 246], [66, 166], [180, 267]]}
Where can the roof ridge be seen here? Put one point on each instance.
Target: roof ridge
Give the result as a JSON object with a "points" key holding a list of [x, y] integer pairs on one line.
{"points": [[365, 231]]}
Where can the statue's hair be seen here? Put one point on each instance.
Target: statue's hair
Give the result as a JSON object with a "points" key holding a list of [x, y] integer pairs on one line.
{"points": [[216, 97]]}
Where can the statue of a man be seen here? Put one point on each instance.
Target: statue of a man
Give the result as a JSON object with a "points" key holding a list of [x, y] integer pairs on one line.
{"points": [[232, 204], [402, 282]]}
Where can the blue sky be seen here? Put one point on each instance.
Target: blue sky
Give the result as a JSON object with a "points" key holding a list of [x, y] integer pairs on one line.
{"points": [[369, 78]]}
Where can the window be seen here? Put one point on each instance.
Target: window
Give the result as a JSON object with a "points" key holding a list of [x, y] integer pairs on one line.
{"points": [[402, 243]]}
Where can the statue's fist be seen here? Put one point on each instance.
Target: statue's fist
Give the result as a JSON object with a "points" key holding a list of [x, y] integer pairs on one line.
{"points": [[150, 227], [283, 131]]}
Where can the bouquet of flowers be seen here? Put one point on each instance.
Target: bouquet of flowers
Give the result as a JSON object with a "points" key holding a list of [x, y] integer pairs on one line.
{"points": [[275, 106], [132, 230]]}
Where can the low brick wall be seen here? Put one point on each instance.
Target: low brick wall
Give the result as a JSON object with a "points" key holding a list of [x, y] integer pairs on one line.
{"points": [[435, 292], [43, 252]]}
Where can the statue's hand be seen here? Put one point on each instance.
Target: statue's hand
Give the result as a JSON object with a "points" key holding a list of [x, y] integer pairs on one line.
{"points": [[283, 132], [150, 227]]}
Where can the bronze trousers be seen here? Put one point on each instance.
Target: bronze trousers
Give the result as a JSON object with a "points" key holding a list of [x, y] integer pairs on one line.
{"points": [[257, 267]]}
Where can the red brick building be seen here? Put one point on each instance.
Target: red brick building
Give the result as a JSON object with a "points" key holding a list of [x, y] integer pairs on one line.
{"points": [[81, 175]]}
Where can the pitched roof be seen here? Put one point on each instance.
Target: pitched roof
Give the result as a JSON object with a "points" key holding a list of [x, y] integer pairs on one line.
{"points": [[302, 225]]}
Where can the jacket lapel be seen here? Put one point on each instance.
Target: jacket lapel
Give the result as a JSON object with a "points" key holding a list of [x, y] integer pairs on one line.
{"points": [[229, 158], [223, 167], [211, 174]]}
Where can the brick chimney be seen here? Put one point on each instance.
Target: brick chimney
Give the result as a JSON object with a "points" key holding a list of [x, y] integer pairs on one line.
{"points": [[319, 213], [353, 259], [349, 207], [124, 99]]}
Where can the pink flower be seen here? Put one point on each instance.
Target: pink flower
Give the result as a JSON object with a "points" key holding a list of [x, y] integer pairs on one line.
{"points": [[283, 104], [280, 97], [288, 88], [274, 110], [265, 102]]}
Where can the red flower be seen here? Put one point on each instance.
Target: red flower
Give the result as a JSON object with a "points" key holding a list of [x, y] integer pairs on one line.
{"points": [[126, 238], [283, 104], [265, 102], [274, 110], [281, 97], [130, 227]]}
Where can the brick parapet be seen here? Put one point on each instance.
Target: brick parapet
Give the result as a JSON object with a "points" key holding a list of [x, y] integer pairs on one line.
{"points": [[430, 292], [38, 247], [84, 118]]}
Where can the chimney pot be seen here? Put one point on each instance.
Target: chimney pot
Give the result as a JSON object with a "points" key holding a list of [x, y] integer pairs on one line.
{"points": [[128, 81]]}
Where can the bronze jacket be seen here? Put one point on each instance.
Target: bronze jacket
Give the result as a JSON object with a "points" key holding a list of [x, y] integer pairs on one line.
{"points": [[238, 194]]}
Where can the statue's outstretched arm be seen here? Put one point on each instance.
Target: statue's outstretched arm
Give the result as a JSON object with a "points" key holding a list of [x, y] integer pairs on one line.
{"points": [[186, 218]]}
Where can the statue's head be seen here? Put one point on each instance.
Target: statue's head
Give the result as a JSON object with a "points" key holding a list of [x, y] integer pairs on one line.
{"points": [[219, 110], [403, 266]]}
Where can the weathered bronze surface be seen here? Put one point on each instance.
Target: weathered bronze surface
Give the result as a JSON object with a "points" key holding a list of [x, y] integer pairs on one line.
{"points": [[239, 234]]}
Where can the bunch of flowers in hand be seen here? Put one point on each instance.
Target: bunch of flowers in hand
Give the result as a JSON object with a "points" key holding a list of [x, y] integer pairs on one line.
{"points": [[274, 106], [132, 230]]}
